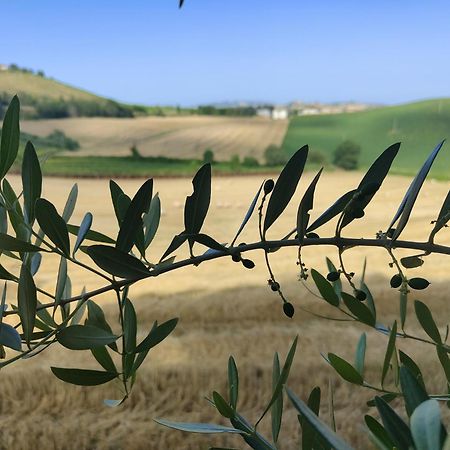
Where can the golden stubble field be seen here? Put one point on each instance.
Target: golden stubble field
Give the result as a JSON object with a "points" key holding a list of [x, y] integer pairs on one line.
{"points": [[176, 137], [223, 309]]}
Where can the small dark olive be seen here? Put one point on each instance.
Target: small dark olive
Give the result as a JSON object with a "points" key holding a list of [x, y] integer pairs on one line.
{"points": [[333, 276], [288, 309], [268, 186], [236, 257], [360, 295], [312, 235], [275, 286], [418, 283], [248, 263], [396, 281]]}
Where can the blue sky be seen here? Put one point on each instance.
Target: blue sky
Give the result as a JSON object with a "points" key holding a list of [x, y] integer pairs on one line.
{"points": [[148, 51]]}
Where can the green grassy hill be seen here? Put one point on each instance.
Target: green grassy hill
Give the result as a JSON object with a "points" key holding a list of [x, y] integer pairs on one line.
{"points": [[43, 97], [419, 126], [28, 84]]}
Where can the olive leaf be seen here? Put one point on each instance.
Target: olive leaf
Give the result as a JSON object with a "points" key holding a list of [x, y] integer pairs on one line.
{"points": [[285, 187], [117, 262], [69, 207], [197, 204], [371, 182], [53, 225], [83, 377], [31, 180], [407, 204], [132, 221], [9, 144], [27, 302], [305, 206], [247, 215]]}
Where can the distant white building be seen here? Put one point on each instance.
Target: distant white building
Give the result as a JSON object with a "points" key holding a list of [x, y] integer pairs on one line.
{"points": [[280, 113], [3, 67]]}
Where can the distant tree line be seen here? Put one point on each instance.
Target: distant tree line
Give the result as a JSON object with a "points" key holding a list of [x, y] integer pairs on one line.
{"points": [[210, 110]]}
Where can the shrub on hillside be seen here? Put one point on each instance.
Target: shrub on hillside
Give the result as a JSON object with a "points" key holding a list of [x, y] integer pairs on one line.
{"points": [[208, 156], [250, 161], [275, 156], [317, 157], [346, 155]]}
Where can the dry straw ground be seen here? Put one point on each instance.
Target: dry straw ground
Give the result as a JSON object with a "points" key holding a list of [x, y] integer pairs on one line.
{"points": [[224, 309], [182, 137]]}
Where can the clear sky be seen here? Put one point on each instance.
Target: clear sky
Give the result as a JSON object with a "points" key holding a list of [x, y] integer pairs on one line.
{"points": [[148, 51]]}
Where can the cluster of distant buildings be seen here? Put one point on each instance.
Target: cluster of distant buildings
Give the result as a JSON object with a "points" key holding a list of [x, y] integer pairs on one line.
{"points": [[298, 108]]}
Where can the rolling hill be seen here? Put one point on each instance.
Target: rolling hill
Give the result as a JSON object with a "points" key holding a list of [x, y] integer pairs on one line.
{"points": [[419, 126], [43, 97]]}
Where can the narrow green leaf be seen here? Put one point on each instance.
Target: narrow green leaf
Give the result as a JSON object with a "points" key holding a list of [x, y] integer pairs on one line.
{"points": [[204, 428], [345, 369], [325, 288], [117, 262], [84, 337], [247, 215], [209, 242], [425, 319], [132, 222], [3, 219], [380, 435], [103, 357], [157, 334], [233, 382], [369, 300], [9, 337], [27, 302], [407, 204], [114, 403], [426, 426], [412, 366], [83, 231], [9, 145], [444, 215], [69, 207], [359, 309], [31, 180], [360, 355], [222, 406], [129, 327], [413, 391], [285, 187], [197, 204], [320, 427], [309, 435], [336, 208], [91, 235], [306, 205], [177, 242], [372, 181], [61, 280], [120, 201], [277, 407], [96, 318], [53, 225], [83, 377], [389, 352], [13, 244], [394, 425], [151, 220], [445, 362], [282, 379]]}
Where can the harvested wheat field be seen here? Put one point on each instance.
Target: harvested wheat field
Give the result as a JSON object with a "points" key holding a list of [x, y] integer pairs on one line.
{"points": [[175, 137], [223, 309]]}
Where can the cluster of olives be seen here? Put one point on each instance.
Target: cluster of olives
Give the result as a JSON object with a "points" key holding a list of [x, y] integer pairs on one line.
{"points": [[247, 263], [414, 283]]}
